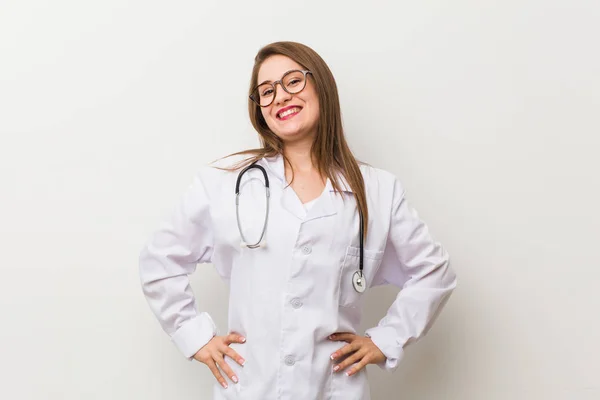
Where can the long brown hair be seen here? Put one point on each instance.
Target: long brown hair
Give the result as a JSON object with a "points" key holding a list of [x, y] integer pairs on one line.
{"points": [[330, 151]]}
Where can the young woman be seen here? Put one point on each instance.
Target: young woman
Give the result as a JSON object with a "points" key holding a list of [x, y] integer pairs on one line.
{"points": [[322, 230]]}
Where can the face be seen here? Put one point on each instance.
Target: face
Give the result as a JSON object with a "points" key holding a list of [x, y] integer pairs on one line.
{"points": [[292, 117]]}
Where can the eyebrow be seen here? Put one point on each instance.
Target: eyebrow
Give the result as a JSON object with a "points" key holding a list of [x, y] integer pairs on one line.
{"points": [[270, 81]]}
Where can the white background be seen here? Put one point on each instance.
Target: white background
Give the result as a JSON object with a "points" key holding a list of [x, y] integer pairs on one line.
{"points": [[488, 112]]}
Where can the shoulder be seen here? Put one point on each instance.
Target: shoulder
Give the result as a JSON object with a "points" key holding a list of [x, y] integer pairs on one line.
{"points": [[382, 186], [378, 177]]}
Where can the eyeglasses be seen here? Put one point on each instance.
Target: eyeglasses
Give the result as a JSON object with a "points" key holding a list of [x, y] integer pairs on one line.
{"points": [[293, 82]]}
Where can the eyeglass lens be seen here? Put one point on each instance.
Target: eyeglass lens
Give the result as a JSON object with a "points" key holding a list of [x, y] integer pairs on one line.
{"points": [[293, 82]]}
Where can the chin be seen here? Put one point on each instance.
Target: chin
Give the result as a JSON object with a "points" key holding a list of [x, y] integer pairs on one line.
{"points": [[288, 130], [291, 135], [291, 131]]}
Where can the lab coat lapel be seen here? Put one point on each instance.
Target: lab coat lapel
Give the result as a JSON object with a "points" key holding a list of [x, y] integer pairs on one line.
{"points": [[291, 203], [289, 200], [325, 206]]}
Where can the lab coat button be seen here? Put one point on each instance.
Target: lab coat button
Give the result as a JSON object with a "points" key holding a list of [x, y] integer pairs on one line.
{"points": [[289, 360], [296, 303], [306, 250]]}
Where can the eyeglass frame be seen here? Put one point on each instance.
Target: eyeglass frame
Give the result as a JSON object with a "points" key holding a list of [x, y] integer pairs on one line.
{"points": [[280, 81]]}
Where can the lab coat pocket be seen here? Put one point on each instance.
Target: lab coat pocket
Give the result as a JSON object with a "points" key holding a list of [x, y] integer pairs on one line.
{"points": [[355, 387], [349, 297]]}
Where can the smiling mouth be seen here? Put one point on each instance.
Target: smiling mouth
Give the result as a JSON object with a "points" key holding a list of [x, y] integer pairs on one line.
{"points": [[289, 113]]}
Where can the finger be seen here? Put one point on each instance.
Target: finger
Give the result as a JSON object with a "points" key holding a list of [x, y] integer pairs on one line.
{"points": [[347, 349], [213, 368], [234, 338], [354, 358], [231, 353], [226, 369], [342, 337], [360, 365]]}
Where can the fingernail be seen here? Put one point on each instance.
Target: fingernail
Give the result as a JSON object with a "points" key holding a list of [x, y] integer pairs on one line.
{"points": [[332, 356], [224, 384], [235, 379], [330, 336], [243, 339], [348, 373], [337, 367], [242, 361]]}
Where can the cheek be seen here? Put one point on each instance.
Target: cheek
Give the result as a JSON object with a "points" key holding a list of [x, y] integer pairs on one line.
{"points": [[313, 100], [269, 119], [314, 109], [265, 114]]}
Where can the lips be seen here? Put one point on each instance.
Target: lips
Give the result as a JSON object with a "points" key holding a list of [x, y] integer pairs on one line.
{"points": [[287, 109]]}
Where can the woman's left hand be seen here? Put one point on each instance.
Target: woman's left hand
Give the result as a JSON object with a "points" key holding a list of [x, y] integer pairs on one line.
{"points": [[362, 351]]}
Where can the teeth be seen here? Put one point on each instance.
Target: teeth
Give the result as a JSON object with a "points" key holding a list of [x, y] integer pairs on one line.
{"points": [[288, 112]]}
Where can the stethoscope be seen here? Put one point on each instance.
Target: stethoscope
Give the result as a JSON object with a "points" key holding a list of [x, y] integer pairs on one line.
{"points": [[358, 279]]}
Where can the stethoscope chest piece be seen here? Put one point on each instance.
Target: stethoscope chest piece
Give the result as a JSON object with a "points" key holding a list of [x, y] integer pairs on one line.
{"points": [[359, 282]]}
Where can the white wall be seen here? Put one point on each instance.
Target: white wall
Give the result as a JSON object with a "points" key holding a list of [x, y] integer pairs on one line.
{"points": [[489, 112]]}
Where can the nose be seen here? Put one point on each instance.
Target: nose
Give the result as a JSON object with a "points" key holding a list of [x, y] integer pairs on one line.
{"points": [[280, 94]]}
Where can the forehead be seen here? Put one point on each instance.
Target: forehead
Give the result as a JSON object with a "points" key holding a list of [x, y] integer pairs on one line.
{"points": [[275, 66]]}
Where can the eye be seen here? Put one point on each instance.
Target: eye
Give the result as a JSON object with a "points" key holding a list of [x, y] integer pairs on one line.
{"points": [[294, 81], [266, 92]]}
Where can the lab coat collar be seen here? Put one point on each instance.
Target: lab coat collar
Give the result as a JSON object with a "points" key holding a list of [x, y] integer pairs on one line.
{"points": [[275, 165], [324, 207]]}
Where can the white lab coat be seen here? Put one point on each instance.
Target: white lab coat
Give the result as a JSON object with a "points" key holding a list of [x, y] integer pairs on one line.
{"points": [[287, 297]]}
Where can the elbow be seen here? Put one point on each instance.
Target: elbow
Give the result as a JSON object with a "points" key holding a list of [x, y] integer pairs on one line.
{"points": [[441, 276], [447, 275], [144, 270]]}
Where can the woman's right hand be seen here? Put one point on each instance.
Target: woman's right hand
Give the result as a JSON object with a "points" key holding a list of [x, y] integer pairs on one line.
{"points": [[213, 355]]}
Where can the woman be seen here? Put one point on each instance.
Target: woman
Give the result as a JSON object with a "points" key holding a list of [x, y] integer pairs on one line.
{"points": [[295, 300]]}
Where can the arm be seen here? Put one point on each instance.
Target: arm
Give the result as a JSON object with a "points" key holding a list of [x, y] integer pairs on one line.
{"points": [[170, 255], [418, 265]]}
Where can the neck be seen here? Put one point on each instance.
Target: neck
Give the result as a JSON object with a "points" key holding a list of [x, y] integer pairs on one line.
{"points": [[299, 155]]}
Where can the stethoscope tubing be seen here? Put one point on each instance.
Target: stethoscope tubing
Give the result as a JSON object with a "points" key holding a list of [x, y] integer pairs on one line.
{"points": [[268, 194], [237, 202]]}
